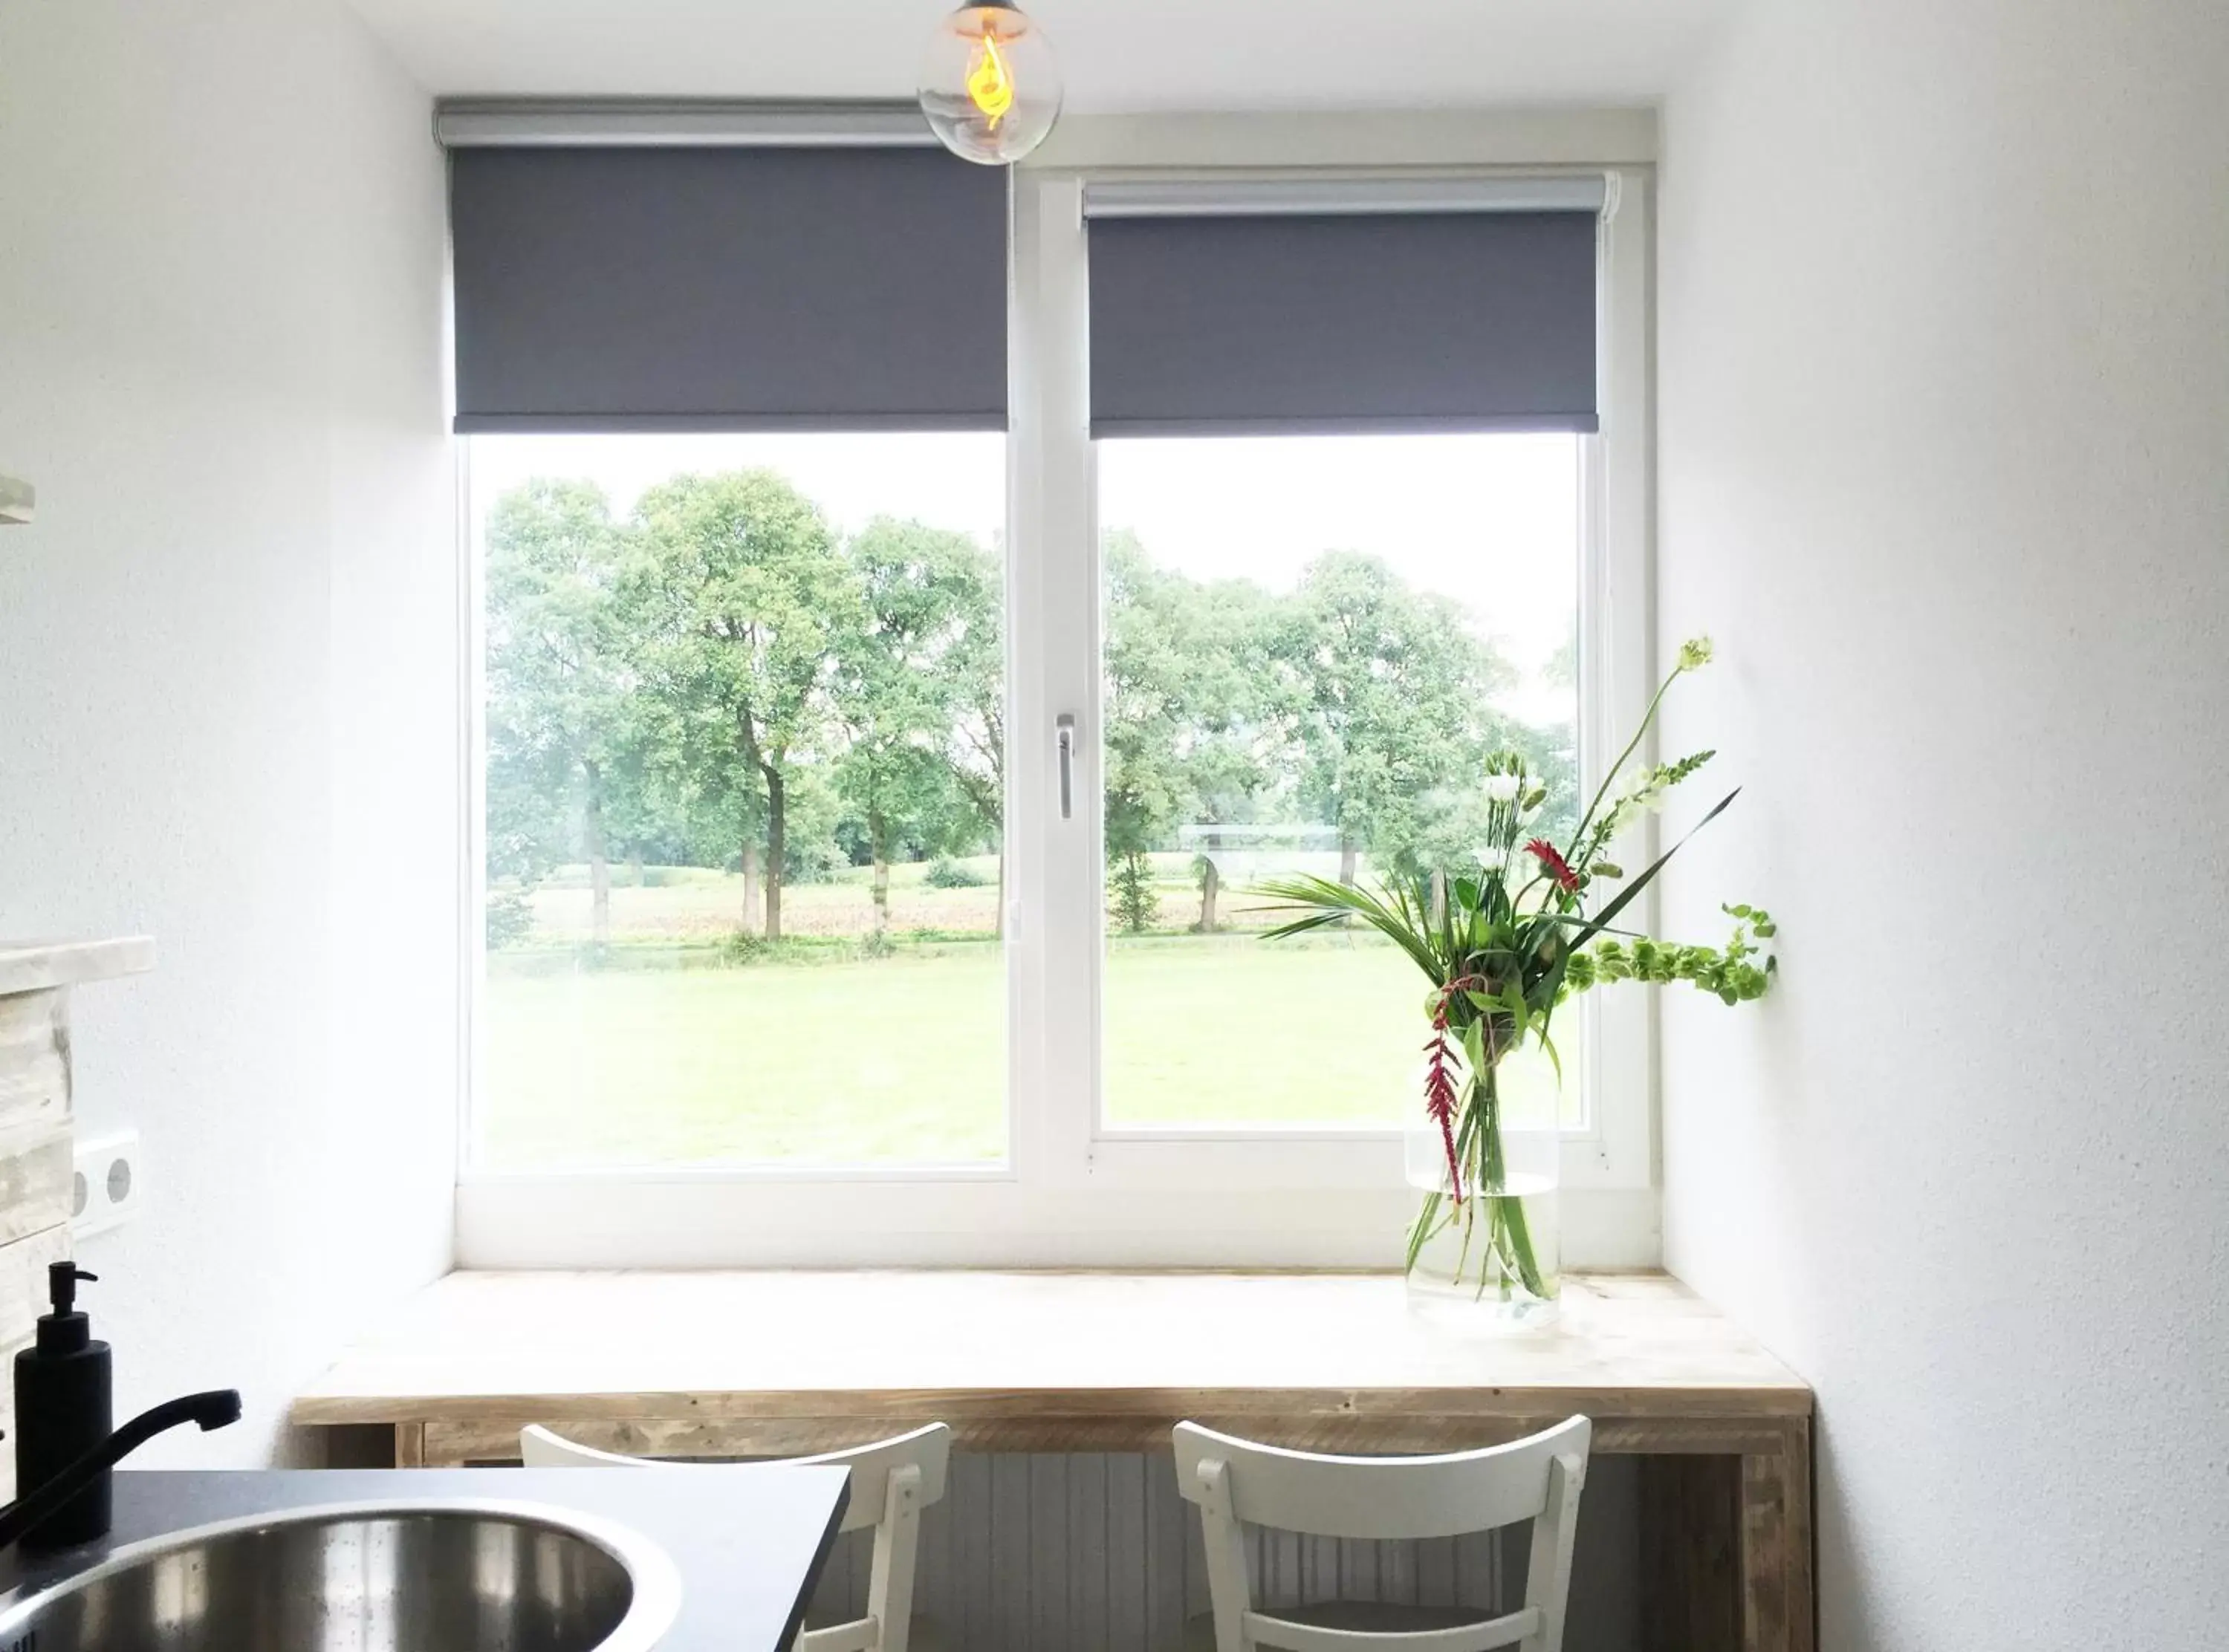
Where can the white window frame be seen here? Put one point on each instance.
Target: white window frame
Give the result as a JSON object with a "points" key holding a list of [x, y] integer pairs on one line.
{"points": [[1070, 1192]]}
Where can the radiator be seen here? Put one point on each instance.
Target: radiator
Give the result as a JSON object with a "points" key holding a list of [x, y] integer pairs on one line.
{"points": [[1095, 1552]]}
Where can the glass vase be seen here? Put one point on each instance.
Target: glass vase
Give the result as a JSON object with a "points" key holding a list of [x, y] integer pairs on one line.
{"points": [[1487, 1241]]}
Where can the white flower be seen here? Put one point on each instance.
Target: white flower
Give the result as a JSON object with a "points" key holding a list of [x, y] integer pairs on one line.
{"points": [[1504, 788], [1694, 653], [1643, 789]]}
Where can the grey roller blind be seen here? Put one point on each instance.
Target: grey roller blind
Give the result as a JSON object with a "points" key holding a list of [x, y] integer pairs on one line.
{"points": [[728, 289], [1270, 323]]}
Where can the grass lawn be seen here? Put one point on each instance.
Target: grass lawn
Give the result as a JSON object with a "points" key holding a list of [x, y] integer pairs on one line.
{"points": [[695, 905], [904, 1058]]}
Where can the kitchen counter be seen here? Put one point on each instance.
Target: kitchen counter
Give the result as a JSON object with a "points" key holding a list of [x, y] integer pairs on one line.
{"points": [[748, 1543]]}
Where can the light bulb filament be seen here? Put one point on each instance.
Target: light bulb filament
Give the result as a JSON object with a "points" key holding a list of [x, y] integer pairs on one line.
{"points": [[991, 83]]}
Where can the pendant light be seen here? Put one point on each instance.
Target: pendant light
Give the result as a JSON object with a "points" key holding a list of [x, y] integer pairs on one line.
{"points": [[989, 85]]}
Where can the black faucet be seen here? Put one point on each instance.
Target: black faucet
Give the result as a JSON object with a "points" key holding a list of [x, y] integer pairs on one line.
{"points": [[214, 1409]]}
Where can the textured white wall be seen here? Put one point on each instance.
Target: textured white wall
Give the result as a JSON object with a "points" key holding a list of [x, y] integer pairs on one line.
{"points": [[1945, 466], [228, 660]]}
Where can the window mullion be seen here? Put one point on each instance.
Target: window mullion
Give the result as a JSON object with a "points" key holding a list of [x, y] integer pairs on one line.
{"points": [[1618, 618], [1054, 665]]}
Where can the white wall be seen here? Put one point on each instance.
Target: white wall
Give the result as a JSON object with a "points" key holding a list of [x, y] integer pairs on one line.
{"points": [[228, 660], [1945, 466]]}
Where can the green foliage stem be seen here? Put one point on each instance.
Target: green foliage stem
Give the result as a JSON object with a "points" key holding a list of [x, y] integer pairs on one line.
{"points": [[1502, 946]]}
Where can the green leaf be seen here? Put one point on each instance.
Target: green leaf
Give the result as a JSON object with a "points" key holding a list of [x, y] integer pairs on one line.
{"points": [[1554, 1059], [1393, 913], [1300, 926], [1595, 925], [1513, 1004]]}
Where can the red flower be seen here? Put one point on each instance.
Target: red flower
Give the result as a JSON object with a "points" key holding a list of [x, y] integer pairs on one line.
{"points": [[1554, 865], [1440, 1099]]}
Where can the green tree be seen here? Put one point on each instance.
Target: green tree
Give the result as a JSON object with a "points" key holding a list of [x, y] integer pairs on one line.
{"points": [[1198, 716], [1562, 669], [1144, 720], [1132, 902], [748, 597], [565, 748], [1234, 712], [977, 666], [901, 685], [1551, 750], [1391, 687]]}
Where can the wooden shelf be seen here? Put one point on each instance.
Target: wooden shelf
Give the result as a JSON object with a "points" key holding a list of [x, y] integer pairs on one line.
{"points": [[743, 1364], [41, 966], [1047, 1361]]}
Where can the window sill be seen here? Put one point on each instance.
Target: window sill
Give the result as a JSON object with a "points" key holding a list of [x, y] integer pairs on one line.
{"points": [[701, 1219]]}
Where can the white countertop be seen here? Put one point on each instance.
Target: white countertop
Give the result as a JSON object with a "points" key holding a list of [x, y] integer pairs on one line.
{"points": [[35, 966]]}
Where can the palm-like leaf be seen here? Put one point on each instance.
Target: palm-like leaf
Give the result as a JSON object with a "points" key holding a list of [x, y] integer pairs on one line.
{"points": [[1392, 914], [1499, 965]]}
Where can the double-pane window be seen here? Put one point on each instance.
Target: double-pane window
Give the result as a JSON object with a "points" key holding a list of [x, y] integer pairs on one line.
{"points": [[875, 779]]}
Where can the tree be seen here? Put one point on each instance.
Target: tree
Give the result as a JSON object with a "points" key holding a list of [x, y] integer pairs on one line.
{"points": [[977, 668], [901, 684], [1144, 715], [1197, 716], [1391, 687], [1132, 902], [1562, 669], [1551, 750], [565, 748], [749, 597], [1233, 713]]}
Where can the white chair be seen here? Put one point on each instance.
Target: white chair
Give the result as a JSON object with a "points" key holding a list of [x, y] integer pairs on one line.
{"points": [[892, 1480], [1237, 1483]]}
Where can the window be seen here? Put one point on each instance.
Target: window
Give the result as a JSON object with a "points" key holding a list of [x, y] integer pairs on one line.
{"points": [[1037, 695], [1311, 643], [744, 719]]}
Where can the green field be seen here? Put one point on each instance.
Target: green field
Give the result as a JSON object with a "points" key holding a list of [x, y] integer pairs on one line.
{"points": [[834, 1058]]}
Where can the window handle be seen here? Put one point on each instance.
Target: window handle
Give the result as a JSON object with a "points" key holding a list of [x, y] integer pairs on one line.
{"points": [[1063, 741]]}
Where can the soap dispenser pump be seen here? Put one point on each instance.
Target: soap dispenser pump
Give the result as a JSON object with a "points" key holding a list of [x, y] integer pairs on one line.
{"points": [[64, 1408]]}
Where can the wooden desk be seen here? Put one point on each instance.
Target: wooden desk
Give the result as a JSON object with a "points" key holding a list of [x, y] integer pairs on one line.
{"points": [[717, 1364]]}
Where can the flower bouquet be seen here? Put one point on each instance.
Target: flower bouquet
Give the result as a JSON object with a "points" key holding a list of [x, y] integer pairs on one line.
{"points": [[1504, 944]]}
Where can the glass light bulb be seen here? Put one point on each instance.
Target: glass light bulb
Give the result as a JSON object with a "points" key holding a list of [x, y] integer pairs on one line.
{"points": [[989, 85]]}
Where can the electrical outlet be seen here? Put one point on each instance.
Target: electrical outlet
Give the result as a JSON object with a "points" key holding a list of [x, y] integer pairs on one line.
{"points": [[108, 1186]]}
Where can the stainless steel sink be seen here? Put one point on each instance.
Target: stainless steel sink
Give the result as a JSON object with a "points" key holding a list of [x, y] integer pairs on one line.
{"points": [[393, 1577]]}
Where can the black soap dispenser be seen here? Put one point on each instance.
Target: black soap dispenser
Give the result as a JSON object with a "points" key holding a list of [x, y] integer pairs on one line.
{"points": [[64, 1407]]}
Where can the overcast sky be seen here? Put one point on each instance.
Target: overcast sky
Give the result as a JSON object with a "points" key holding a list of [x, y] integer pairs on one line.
{"points": [[1461, 515]]}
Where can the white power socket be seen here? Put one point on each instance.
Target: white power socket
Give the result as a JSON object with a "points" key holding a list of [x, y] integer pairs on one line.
{"points": [[109, 1185]]}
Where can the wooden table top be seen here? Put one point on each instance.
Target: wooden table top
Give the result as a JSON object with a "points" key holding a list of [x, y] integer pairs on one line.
{"points": [[497, 1346], [774, 1364]]}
